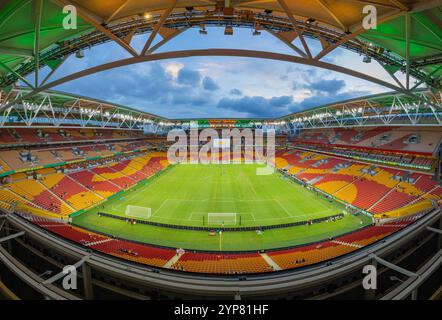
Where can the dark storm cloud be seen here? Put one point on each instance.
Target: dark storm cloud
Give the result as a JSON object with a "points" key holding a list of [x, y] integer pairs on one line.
{"points": [[258, 106], [209, 84]]}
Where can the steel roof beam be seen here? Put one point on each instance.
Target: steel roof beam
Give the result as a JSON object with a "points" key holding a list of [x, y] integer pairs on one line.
{"points": [[166, 40], [37, 20], [400, 5], [157, 27], [89, 18], [12, 236], [286, 42], [211, 52], [180, 20], [295, 26], [19, 76], [16, 51], [360, 30], [60, 275]]}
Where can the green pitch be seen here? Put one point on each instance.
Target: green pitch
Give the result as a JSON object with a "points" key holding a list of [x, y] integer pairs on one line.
{"points": [[186, 194]]}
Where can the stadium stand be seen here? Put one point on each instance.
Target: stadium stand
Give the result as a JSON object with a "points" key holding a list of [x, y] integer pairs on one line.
{"points": [[369, 187], [49, 192], [95, 182], [70, 191], [419, 139], [31, 191], [223, 263]]}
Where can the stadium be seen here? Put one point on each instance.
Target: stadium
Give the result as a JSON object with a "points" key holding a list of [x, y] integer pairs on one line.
{"points": [[149, 207]]}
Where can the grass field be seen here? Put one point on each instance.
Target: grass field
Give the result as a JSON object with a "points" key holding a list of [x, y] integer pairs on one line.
{"points": [[185, 194]]}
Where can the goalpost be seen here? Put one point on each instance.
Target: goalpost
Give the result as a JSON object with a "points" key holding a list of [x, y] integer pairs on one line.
{"points": [[137, 212], [221, 219]]}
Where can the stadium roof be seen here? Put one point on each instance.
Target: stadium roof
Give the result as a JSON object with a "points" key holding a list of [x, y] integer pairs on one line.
{"points": [[58, 109], [408, 37]]}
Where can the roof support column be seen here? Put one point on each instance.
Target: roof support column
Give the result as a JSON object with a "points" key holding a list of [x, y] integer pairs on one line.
{"points": [[87, 281], [37, 21], [407, 49]]}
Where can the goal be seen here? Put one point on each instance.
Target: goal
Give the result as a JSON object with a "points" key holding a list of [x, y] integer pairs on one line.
{"points": [[137, 212], [221, 219]]}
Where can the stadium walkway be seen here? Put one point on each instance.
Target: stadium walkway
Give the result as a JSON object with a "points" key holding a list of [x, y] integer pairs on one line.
{"points": [[270, 261], [172, 260]]}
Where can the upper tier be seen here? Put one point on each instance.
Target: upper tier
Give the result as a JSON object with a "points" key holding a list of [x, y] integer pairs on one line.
{"points": [[421, 140]]}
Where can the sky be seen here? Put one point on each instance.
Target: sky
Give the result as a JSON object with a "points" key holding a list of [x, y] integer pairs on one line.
{"points": [[219, 87]]}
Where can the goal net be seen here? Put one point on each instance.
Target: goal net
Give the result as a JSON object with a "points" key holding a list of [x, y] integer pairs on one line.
{"points": [[137, 212], [221, 219]]}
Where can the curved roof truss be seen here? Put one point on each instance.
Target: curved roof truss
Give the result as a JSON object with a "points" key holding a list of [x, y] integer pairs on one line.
{"points": [[407, 38], [388, 109], [60, 110]]}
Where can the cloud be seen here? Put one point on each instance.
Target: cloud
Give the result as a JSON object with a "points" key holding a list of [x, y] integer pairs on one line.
{"points": [[209, 84], [258, 106], [150, 87], [329, 86], [205, 87], [236, 92], [188, 77], [298, 86], [324, 99]]}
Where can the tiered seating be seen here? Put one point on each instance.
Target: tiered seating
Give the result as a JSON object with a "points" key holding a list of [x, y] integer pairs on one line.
{"points": [[307, 255], [150, 163], [424, 183], [31, 135], [34, 192], [144, 254], [72, 233], [70, 191], [114, 176], [45, 157], [28, 135], [222, 263], [6, 137], [7, 199], [394, 200], [362, 193], [416, 139], [95, 182], [377, 190], [4, 167], [127, 168], [369, 235], [12, 159]]}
